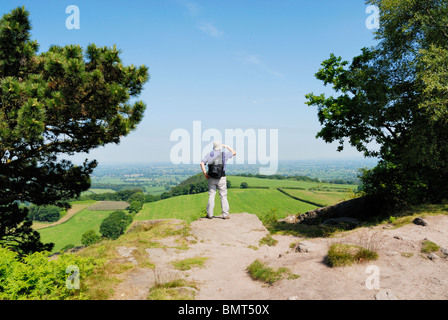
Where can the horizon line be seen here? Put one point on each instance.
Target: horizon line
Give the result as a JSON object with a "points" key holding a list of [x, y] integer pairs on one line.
{"points": [[243, 164]]}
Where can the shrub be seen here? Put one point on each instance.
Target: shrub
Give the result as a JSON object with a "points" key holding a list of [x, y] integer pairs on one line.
{"points": [[135, 206], [35, 277], [138, 196], [197, 215], [244, 185], [115, 224], [271, 217], [90, 237]]}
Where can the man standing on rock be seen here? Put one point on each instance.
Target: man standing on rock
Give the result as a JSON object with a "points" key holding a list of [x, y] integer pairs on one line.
{"points": [[216, 176]]}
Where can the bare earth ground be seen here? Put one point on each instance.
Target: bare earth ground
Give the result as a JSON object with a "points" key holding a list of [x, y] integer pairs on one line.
{"points": [[403, 271]]}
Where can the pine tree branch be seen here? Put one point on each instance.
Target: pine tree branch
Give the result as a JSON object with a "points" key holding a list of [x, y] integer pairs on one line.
{"points": [[87, 97]]}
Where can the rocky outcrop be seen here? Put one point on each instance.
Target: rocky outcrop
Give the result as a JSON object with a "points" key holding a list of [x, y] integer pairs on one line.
{"points": [[420, 221], [359, 208]]}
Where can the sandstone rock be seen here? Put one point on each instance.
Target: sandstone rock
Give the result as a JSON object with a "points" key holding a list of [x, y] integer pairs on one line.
{"points": [[444, 251], [420, 221], [126, 252], [304, 247], [289, 219], [385, 294], [342, 221], [392, 253], [400, 237], [432, 256], [359, 208]]}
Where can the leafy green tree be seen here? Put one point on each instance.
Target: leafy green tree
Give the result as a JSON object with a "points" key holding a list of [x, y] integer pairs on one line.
{"points": [[115, 224], [54, 103], [124, 195], [44, 213], [392, 102], [111, 229], [151, 198], [138, 196], [165, 195], [244, 185], [135, 206]]}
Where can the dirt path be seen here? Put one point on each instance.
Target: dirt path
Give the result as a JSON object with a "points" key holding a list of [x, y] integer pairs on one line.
{"points": [[401, 272]]}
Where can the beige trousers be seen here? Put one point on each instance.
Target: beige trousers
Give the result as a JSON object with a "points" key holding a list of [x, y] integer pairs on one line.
{"points": [[221, 186]]}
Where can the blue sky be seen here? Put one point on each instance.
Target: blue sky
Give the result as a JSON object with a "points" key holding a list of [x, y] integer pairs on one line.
{"points": [[229, 64]]}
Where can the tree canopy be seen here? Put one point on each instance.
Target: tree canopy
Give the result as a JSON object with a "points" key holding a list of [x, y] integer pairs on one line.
{"points": [[60, 102], [392, 101]]}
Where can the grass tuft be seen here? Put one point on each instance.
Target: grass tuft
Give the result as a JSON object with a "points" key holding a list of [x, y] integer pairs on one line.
{"points": [[268, 240], [178, 289], [346, 254], [259, 271], [187, 264], [429, 246]]}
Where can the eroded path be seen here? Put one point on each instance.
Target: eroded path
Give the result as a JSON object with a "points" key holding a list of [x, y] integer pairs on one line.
{"points": [[231, 245]]}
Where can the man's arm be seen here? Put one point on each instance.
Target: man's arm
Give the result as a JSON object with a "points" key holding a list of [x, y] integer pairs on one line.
{"points": [[230, 149], [204, 170]]}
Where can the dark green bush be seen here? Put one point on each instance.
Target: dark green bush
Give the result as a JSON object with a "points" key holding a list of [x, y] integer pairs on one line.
{"points": [[44, 213], [115, 224], [89, 237], [135, 206]]}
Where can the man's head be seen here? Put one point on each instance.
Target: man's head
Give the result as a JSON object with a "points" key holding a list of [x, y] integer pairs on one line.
{"points": [[217, 145]]}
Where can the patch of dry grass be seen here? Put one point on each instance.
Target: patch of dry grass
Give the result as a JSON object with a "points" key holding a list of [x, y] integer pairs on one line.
{"points": [[108, 206], [103, 280], [341, 254]]}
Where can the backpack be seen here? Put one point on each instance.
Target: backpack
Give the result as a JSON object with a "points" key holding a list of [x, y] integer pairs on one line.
{"points": [[216, 168]]}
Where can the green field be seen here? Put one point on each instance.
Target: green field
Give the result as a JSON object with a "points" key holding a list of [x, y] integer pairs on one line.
{"points": [[256, 201], [262, 202], [272, 183], [70, 232], [155, 190], [320, 197]]}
